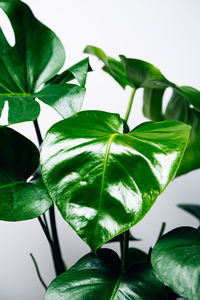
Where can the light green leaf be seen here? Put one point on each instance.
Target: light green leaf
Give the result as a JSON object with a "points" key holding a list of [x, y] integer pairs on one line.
{"points": [[95, 173]]}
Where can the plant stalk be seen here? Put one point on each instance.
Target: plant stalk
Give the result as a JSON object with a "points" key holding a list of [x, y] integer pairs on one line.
{"points": [[38, 271], [124, 247], [53, 241], [130, 104]]}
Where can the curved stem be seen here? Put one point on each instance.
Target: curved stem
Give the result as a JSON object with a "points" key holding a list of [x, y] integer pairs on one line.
{"points": [[130, 105], [125, 243], [38, 271]]}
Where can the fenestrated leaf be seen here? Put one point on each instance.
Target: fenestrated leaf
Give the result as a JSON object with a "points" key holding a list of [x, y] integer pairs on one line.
{"points": [[111, 66], [91, 277], [66, 99], [176, 261], [35, 59], [95, 173], [19, 199], [193, 209], [179, 109]]}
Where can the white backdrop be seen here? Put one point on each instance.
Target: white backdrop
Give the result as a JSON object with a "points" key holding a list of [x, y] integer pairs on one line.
{"points": [[165, 33]]}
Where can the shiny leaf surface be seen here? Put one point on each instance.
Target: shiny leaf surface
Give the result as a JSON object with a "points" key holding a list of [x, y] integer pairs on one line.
{"points": [[35, 59], [19, 199], [143, 74], [78, 71], [152, 104], [66, 99], [95, 173], [193, 209], [111, 66], [176, 261], [92, 277]]}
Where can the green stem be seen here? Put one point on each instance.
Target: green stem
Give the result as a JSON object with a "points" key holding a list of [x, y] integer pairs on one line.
{"points": [[125, 243], [38, 271], [58, 265], [130, 105], [53, 241], [54, 232]]}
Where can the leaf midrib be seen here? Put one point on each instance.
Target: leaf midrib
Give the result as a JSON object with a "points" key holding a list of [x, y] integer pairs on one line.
{"points": [[11, 184]]}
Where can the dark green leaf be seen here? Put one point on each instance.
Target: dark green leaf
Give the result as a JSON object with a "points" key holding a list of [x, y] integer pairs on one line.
{"points": [[143, 74], [92, 278], [111, 66], [192, 209], [179, 109], [136, 256], [152, 104], [66, 99], [119, 238], [176, 261], [95, 173], [19, 199]]}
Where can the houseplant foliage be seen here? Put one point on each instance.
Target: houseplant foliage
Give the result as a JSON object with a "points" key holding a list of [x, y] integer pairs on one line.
{"points": [[93, 166]]}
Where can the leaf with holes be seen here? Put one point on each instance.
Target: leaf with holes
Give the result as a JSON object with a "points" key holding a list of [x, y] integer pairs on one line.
{"points": [[19, 199], [35, 58], [96, 174], [101, 275], [176, 260]]}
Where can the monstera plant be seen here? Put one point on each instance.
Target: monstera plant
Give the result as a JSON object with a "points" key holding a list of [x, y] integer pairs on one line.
{"points": [[102, 177]]}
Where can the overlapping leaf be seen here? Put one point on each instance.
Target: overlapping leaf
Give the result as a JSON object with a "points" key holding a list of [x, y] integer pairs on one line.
{"points": [[111, 66], [93, 277], [35, 58], [96, 174], [19, 199], [183, 106], [176, 260]]}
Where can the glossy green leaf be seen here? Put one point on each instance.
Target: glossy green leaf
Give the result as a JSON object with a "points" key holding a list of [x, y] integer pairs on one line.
{"points": [[78, 71], [19, 199], [152, 104], [143, 74], [66, 99], [179, 109], [95, 173], [111, 66], [193, 209], [35, 59], [91, 277], [176, 261]]}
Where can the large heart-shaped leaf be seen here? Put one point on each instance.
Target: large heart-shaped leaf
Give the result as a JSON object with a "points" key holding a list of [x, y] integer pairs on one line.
{"points": [[103, 181], [176, 261], [111, 66], [19, 199], [91, 277], [35, 58]]}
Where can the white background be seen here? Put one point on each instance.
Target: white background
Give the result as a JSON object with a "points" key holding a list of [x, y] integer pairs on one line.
{"points": [[165, 33]]}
